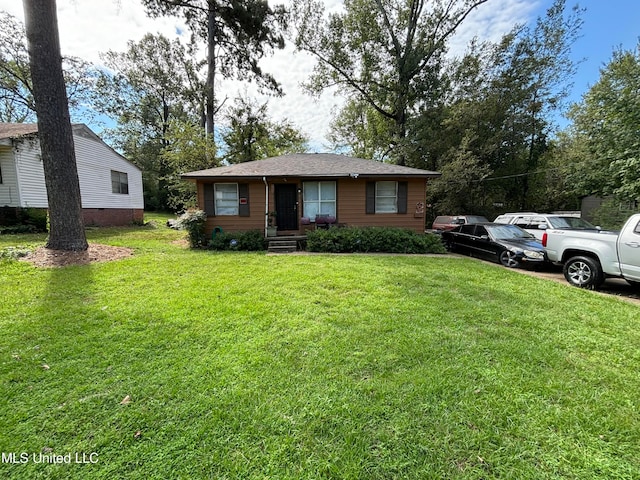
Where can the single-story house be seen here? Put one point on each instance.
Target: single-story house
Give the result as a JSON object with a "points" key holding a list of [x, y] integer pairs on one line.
{"points": [[110, 185], [302, 190]]}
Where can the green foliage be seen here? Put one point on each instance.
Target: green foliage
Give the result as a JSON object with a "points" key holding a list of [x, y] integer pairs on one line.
{"points": [[372, 239], [252, 135], [188, 149], [606, 129], [193, 221], [612, 214], [386, 54], [463, 173], [16, 88], [23, 220], [242, 33], [249, 241], [153, 90]]}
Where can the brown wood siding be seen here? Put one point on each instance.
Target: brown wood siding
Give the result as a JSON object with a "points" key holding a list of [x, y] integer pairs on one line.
{"points": [[352, 205], [351, 198], [236, 223]]}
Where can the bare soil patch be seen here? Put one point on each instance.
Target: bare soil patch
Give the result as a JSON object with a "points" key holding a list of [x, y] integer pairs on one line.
{"points": [[45, 257]]}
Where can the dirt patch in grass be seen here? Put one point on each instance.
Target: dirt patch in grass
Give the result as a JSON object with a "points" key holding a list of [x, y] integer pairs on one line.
{"points": [[46, 257]]}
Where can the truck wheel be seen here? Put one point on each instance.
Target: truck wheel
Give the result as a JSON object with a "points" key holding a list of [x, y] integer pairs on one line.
{"points": [[583, 272]]}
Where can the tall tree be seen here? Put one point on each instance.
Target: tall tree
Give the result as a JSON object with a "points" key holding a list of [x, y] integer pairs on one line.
{"points": [[237, 34], [606, 123], [252, 135], [16, 90], [154, 82], [536, 74], [502, 100], [54, 127], [188, 149], [387, 54]]}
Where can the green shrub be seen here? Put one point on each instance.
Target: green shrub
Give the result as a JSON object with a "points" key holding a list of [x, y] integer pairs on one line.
{"points": [[193, 221], [23, 220], [16, 229], [250, 241], [38, 217], [372, 239]]}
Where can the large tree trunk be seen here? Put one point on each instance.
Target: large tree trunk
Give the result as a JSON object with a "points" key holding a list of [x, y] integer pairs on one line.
{"points": [[211, 69], [54, 127]]}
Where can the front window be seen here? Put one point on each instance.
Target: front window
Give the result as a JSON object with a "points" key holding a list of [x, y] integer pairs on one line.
{"points": [[386, 197], [119, 182], [319, 199], [226, 198]]}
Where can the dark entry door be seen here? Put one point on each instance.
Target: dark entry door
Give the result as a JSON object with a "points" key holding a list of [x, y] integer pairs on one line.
{"points": [[286, 206]]}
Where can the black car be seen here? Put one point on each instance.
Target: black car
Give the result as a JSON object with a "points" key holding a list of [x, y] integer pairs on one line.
{"points": [[507, 244]]}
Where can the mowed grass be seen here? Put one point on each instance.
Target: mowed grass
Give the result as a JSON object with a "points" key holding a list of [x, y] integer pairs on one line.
{"points": [[249, 366]]}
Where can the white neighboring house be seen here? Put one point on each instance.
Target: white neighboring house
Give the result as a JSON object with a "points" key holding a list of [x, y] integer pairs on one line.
{"points": [[110, 185]]}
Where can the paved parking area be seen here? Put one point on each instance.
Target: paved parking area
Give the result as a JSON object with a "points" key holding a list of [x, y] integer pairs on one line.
{"points": [[611, 286]]}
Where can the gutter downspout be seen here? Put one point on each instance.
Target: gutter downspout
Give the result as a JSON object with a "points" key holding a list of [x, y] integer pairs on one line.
{"points": [[266, 205]]}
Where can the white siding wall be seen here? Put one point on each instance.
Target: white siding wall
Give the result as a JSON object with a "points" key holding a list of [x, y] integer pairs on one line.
{"points": [[33, 192], [9, 194], [95, 161]]}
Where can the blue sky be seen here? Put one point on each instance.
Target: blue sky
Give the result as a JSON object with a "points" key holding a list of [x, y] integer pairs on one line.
{"points": [[608, 25]]}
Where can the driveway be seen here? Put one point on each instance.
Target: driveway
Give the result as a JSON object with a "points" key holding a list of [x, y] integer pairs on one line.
{"points": [[611, 286]]}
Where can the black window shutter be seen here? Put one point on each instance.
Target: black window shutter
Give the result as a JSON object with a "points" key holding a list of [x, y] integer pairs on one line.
{"points": [[209, 204], [403, 188], [243, 194], [371, 198]]}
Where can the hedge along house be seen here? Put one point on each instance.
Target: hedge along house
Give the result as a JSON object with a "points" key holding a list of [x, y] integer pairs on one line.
{"points": [[110, 185], [307, 190]]}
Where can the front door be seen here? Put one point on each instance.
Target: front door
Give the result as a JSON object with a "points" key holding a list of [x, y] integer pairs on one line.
{"points": [[286, 206]]}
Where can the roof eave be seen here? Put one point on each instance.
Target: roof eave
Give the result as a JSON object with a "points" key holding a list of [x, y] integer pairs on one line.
{"points": [[336, 175]]}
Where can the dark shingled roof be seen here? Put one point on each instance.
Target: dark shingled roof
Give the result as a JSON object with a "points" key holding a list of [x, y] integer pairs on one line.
{"points": [[310, 165]]}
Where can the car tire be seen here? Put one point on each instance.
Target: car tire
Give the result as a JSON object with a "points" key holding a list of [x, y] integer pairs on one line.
{"points": [[583, 272], [509, 259]]}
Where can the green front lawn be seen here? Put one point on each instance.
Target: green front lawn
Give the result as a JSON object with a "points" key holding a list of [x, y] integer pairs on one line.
{"points": [[195, 364]]}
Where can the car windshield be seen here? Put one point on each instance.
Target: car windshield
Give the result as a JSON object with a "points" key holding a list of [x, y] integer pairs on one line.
{"points": [[507, 232], [573, 223]]}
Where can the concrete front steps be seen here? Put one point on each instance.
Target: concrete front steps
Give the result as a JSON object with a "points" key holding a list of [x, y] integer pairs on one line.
{"points": [[282, 246]]}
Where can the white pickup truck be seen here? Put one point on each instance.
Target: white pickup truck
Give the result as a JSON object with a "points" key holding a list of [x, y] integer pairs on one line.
{"points": [[588, 258]]}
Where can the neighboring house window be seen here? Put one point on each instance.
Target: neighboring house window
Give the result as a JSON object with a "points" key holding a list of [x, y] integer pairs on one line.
{"points": [[386, 197], [226, 198], [119, 182], [319, 199]]}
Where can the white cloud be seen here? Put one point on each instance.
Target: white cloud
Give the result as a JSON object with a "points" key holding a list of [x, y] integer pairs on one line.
{"points": [[88, 28]]}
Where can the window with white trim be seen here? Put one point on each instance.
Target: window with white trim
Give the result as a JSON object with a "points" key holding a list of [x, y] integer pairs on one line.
{"points": [[226, 198], [386, 197], [119, 182], [319, 198]]}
